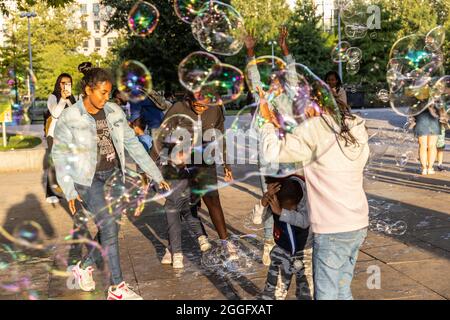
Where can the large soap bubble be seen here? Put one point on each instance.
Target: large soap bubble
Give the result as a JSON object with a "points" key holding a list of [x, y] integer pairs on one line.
{"points": [[195, 69], [219, 28], [134, 80], [143, 18]]}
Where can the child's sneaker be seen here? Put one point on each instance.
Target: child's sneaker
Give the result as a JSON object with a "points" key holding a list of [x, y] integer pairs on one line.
{"points": [[167, 259], [84, 277], [231, 249], [268, 246], [177, 261], [122, 292], [204, 243]]}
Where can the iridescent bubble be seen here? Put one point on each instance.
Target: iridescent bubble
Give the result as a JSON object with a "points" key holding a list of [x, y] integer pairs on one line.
{"points": [[268, 67], [219, 28], [143, 18], [195, 69], [187, 10], [373, 35], [352, 68], [339, 52], [29, 234], [225, 84], [125, 194], [402, 158], [435, 38], [134, 80], [440, 93], [398, 228], [354, 55], [383, 95], [176, 138]]}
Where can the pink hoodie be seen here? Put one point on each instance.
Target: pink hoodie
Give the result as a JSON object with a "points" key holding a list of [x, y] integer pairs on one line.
{"points": [[334, 172]]}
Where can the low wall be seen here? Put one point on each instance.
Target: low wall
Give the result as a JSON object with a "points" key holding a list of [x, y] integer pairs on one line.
{"points": [[22, 160]]}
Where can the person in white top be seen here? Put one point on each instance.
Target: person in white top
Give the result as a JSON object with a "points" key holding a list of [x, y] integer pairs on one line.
{"points": [[60, 98], [334, 81]]}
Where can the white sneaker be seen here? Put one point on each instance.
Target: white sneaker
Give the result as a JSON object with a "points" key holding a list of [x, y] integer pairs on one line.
{"points": [[268, 246], [204, 243], [232, 250], [431, 171], [177, 261], [167, 259], [424, 172], [122, 292], [52, 199], [84, 277]]}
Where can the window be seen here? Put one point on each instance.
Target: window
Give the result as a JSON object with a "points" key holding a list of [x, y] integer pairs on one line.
{"points": [[98, 42], [96, 9], [111, 41], [97, 26], [84, 25], [83, 8], [86, 44]]}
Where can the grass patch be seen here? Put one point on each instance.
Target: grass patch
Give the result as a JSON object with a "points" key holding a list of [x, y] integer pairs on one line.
{"points": [[16, 142]]}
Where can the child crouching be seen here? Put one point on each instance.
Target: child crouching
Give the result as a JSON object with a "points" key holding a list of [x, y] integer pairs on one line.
{"points": [[292, 253]]}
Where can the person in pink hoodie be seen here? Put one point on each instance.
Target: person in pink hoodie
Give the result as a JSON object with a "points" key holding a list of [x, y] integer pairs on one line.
{"points": [[335, 148]]}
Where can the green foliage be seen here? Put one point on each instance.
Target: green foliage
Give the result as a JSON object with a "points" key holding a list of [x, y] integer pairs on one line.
{"points": [[54, 45], [263, 17], [307, 41]]}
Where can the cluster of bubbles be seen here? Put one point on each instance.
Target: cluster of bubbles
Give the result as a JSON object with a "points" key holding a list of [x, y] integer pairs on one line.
{"points": [[211, 82], [29, 243], [134, 80], [355, 17], [384, 225], [415, 73], [217, 26], [143, 18], [352, 56], [244, 261]]}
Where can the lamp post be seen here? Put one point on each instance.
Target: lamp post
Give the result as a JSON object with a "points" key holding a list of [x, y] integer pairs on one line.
{"points": [[29, 15], [273, 43], [339, 43]]}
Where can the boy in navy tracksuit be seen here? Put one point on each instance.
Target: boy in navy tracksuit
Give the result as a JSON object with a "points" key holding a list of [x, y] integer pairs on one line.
{"points": [[292, 253]]}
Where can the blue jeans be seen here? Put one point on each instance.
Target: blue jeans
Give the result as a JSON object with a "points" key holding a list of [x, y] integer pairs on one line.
{"points": [[108, 229], [334, 259]]}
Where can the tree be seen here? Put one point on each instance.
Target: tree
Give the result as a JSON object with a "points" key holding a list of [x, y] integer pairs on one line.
{"points": [[161, 51], [308, 43], [54, 45], [263, 17], [24, 4]]}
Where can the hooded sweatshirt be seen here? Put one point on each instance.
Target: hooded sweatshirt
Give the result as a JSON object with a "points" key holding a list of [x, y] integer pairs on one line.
{"points": [[333, 171]]}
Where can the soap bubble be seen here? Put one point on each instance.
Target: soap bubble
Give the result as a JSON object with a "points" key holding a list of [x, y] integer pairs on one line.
{"points": [[340, 53], [134, 80], [268, 67], [143, 18], [187, 10], [354, 55], [410, 72], [29, 234], [402, 158], [383, 95], [435, 38], [195, 69], [219, 28], [125, 195], [176, 138], [223, 85], [352, 68], [440, 93]]}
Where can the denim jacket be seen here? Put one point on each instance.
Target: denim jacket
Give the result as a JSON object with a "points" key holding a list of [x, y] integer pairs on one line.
{"points": [[74, 150]]}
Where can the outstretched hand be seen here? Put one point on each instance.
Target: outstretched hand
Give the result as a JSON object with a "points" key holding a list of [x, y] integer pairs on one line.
{"points": [[250, 43], [283, 40]]}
